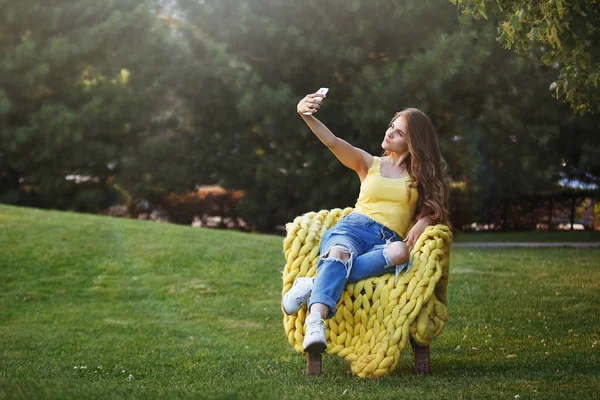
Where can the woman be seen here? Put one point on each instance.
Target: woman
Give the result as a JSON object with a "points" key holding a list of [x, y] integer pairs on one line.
{"points": [[403, 187]]}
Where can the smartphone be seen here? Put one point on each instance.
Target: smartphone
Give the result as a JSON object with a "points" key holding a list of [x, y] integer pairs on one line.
{"points": [[323, 90]]}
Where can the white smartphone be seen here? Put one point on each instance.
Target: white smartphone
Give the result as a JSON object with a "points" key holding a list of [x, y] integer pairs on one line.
{"points": [[323, 90]]}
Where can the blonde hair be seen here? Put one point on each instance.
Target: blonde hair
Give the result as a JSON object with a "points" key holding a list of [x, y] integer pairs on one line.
{"points": [[426, 166]]}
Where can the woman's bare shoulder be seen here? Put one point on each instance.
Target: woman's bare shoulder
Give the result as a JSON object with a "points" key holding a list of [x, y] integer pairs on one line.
{"points": [[369, 159], [367, 163]]}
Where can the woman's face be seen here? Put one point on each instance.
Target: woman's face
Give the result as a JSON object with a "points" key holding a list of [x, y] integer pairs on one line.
{"points": [[395, 137]]}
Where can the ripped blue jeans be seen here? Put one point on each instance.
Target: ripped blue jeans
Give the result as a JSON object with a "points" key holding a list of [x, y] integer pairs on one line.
{"points": [[365, 240]]}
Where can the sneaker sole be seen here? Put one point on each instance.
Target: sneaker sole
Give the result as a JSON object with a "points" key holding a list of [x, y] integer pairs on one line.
{"points": [[316, 348]]}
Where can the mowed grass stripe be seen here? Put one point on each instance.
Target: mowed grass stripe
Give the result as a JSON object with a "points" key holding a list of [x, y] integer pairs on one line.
{"points": [[165, 311]]}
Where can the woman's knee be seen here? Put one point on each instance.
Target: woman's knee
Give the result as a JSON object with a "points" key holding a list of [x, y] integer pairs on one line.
{"points": [[338, 252], [397, 253]]}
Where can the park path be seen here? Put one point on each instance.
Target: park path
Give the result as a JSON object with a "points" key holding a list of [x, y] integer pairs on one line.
{"points": [[526, 244]]}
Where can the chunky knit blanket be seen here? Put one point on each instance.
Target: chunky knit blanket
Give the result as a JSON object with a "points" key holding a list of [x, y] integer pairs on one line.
{"points": [[375, 317]]}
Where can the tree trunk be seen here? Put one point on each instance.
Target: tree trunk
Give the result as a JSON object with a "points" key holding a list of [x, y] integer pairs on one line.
{"points": [[132, 209], [593, 214], [572, 212], [550, 204], [505, 215]]}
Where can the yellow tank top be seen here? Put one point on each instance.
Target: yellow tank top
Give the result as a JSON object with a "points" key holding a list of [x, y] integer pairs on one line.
{"points": [[385, 200]]}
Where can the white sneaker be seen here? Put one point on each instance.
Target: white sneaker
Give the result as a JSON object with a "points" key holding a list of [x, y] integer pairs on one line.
{"points": [[314, 339], [297, 296]]}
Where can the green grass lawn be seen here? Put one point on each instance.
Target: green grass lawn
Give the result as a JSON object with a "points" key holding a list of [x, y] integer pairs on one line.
{"points": [[104, 308]]}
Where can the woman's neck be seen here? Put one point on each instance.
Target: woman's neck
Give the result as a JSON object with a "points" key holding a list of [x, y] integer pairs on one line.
{"points": [[397, 159]]}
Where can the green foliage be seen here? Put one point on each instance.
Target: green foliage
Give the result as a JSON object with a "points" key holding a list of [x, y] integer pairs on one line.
{"points": [[564, 34], [374, 56], [128, 101], [499, 134], [84, 92]]}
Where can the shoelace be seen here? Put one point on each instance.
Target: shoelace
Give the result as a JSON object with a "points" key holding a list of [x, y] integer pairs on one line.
{"points": [[312, 329]]}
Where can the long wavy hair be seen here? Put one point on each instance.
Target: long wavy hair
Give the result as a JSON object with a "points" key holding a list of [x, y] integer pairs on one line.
{"points": [[426, 166]]}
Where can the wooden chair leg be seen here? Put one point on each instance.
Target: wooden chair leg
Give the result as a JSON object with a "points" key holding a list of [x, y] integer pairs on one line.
{"points": [[422, 359], [313, 364], [314, 361]]}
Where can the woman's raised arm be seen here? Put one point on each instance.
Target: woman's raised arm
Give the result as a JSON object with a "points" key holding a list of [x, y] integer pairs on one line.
{"points": [[352, 157]]}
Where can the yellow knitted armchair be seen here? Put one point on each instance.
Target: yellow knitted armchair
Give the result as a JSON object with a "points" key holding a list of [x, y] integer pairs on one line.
{"points": [[375, 317]]}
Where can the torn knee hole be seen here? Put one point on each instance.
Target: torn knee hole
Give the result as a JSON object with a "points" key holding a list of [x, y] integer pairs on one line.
{"points": [[396, 253], [339, 252]]}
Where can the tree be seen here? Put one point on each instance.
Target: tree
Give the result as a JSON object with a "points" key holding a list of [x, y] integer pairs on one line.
{"points": [[269, 54], [500, 138], [154, 97], [562, 33], [83, 95]]}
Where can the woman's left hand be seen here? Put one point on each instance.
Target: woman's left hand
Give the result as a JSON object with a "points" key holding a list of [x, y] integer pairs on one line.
{"points": [[415, 232]]}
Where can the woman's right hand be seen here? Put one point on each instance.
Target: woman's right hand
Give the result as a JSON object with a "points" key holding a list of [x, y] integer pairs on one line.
{"points": [[310, 103]]}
